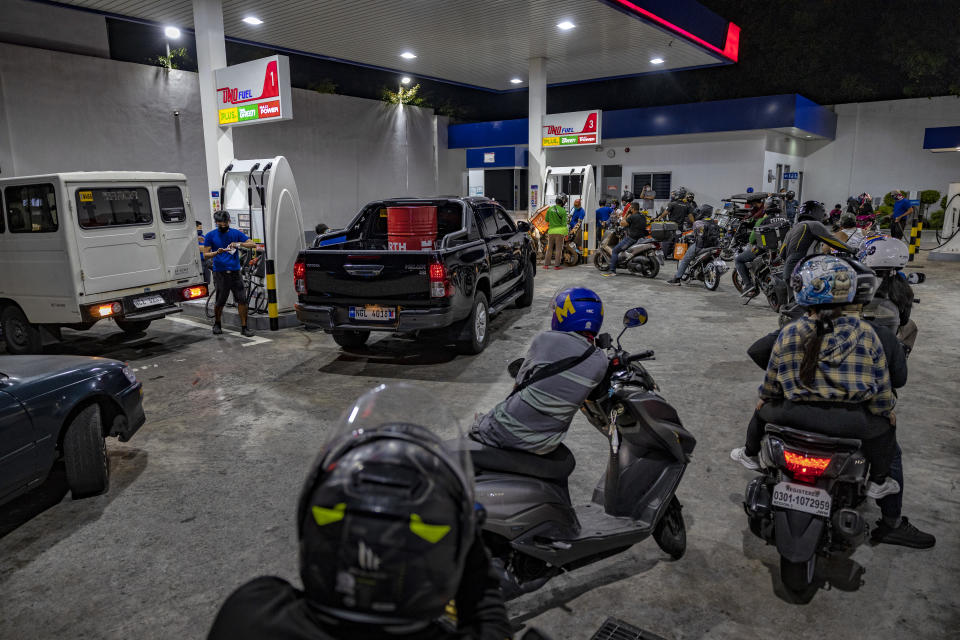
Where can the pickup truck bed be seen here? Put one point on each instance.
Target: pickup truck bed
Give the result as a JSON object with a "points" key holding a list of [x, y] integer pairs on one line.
{"points": [[352, 284]]}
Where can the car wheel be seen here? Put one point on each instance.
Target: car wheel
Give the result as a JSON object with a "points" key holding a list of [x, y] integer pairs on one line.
{"points": [[21, 336], [478, 326], [85, 454], [526, 299], [133, 326], [351, 339]]}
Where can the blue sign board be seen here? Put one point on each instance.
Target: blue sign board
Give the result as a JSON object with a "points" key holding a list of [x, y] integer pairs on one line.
{"points": [[791, 175]]}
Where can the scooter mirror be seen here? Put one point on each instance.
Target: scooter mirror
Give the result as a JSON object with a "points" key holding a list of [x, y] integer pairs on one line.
{"points": [[635, 317], [514, 367]]}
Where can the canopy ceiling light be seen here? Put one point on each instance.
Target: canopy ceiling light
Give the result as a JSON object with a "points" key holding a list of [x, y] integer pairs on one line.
{"points": [[409, 55], [566, 25], [253, 20], [516, 80], [656, 61], [171, 32]]}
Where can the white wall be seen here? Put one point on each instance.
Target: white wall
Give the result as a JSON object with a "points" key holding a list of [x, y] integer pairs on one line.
{"points": [[39, 25], [67, 112], [879, 147], [713, 166]]}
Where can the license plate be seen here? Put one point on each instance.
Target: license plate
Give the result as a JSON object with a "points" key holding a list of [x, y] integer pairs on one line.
{"points": [[372, 312], [147, 301], [802, 498]]}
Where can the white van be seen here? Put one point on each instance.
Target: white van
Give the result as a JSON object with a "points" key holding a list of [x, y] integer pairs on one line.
{"points": [[79, 247]]}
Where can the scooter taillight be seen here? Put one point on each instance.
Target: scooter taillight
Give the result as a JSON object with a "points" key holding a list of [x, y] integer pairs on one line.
{"points": [[805, 466]]}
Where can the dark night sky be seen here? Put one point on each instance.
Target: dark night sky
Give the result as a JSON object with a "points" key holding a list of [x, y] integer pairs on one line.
{"points": [[831, 51]]}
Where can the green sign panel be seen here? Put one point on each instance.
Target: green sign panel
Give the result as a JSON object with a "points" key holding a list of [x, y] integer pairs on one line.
{"points": [[248, 113]]}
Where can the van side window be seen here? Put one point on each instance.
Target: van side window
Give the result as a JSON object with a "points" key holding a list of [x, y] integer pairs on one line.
{"points": [[113, 207], [172, 208], [31, 208]]}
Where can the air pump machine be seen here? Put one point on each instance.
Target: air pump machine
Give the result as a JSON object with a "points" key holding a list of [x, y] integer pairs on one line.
{"points": [[261, 197], [555, 179]]}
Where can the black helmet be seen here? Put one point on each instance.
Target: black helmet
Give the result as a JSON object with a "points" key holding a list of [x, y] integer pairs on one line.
{"points": [[790, 195], [561, 199], [386, 517], [812, 210], [627, 196], [221, 216], [772, 205]]}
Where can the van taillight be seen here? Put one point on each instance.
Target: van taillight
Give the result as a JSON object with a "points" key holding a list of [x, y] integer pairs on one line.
{"points": [[192, 293], [440, 285], [106, 309], [300, 277]]}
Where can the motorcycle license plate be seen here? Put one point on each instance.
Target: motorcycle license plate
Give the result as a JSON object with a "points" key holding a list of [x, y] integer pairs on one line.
{"points": [[373, 312], [799, 497]]}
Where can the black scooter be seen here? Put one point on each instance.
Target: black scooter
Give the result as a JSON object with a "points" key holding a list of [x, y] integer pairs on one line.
{"points": [[532, 529]]}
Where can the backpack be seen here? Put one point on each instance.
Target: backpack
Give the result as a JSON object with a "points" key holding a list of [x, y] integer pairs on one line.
{"points": [[710, 235]]}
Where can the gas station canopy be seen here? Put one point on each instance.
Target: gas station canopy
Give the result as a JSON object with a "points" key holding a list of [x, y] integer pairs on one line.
{"points": [[485, 45]]}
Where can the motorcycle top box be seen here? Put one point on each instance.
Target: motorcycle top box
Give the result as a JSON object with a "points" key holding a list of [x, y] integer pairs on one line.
{"points": [[663, 231]]}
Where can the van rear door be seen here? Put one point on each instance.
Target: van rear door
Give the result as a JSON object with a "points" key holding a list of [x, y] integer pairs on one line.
{"points": [[178, 233], [118, 236]]}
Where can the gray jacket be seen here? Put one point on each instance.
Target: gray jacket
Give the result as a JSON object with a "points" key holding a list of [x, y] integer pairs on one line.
{"points": [[537, 418]]}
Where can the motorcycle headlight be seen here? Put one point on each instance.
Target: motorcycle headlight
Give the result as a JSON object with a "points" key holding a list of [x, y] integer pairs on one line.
{"points": [[130, 375]]}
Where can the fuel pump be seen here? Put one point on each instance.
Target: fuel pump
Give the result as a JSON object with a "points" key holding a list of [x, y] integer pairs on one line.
{"points": [[261, 197], [576, 182], [949, 237]]}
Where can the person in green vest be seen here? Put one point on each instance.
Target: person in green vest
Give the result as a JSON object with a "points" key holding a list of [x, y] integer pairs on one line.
{"points": [[557, 221]]}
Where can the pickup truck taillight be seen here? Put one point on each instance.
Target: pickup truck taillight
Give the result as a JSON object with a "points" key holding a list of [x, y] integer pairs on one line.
{"points": [[300, 276], [440, 285]]}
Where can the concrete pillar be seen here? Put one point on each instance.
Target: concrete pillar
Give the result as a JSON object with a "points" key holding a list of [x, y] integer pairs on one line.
{"points": [[211, 54], [537, 82]]}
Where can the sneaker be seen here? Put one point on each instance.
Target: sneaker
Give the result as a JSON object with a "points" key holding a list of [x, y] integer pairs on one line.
{"points": [[674, 280], [546, 266], [557, 268], [217, 330], [608, 274], [905, 535], [888, 488], [740, 455], [245, 332], [749, 290]]}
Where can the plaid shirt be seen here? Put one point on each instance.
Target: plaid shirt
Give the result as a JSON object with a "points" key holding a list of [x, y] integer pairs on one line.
{"points": [[851, 368]]}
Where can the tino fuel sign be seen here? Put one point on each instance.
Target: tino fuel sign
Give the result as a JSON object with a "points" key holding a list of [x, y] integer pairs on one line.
{"points": [[254, 92]]}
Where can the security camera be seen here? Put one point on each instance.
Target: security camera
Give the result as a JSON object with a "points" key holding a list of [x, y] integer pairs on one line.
{"points": [[176, 114]]}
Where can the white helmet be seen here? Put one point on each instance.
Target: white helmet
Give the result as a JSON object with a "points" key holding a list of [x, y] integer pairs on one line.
{"points": [[883, 252]]}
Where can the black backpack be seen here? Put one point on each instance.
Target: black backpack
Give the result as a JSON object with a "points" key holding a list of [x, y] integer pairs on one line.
{"points": [[710, 236]]}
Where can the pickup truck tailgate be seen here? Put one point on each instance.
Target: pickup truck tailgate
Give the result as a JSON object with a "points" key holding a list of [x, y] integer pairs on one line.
{"points": [[374, 276]]}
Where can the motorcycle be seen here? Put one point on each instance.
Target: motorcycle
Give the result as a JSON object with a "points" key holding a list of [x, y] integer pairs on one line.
{"points": [[644, 258], [707, 266], [532, 529], [767, 272], [805, 501]]}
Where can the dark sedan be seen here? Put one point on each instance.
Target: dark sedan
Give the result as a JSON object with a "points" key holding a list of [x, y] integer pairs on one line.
{"points": [[63, 406]]}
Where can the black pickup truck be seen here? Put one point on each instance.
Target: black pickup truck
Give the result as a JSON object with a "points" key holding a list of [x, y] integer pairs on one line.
{"points": [[352, 284]]}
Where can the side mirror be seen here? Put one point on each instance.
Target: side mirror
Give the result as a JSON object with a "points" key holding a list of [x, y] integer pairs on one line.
{"points": [[523, 226], [635, 317], [514, 367]]}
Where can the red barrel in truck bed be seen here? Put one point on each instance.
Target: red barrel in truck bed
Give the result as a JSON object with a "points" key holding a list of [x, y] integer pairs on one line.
{"points": [[411, 228]]}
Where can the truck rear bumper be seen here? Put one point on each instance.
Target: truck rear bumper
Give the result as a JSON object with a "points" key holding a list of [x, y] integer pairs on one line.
{"points": [[330, 317]]}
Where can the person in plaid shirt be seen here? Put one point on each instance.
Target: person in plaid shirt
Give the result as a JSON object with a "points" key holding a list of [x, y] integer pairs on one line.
{"points": [[828, 372]]}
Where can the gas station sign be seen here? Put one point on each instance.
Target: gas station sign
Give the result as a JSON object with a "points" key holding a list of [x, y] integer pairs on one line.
{"points": [[254, 92], [570, 129]]}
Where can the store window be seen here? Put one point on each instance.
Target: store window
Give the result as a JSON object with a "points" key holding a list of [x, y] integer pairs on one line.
{"points": [[661, 183], [172, 208], [113, 207], [31, 208]]}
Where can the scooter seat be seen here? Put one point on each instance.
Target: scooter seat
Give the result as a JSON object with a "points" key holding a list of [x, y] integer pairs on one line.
{"points": [[554, 466]]}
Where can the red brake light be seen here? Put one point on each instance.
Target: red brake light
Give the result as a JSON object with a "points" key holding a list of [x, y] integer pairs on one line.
{"points": [[810, 466], [300, 277], [440, 285], [438, 272], [107, 309], [191, 293]]}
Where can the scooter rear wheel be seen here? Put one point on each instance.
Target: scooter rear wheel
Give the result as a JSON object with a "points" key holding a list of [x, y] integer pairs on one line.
{"points": [[600, 260], [671, 533], [794, 576]]}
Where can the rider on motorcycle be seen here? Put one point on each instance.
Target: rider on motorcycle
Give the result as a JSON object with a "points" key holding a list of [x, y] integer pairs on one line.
{"points": [[636, 228], [893, 302], [802, 239], [706, 235], [561, 369], [742, 262], [828, 371], [850, 234], [388, 536]]}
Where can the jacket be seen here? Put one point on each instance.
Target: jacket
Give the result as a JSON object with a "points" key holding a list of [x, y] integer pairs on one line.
{"points": [[557, 220], [536, 418]]}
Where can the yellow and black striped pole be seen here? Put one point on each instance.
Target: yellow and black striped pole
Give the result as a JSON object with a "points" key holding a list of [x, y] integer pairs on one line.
{"points": [[915, 234], [272, 296]]}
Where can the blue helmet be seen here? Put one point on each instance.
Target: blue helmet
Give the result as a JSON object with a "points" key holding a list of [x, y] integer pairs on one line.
{"points": [[823, 280], [576, 309]]}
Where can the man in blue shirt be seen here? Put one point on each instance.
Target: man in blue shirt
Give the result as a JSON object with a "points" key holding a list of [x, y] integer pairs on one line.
{"points": [[603, 215], [902, 210], [222, 244], [577, 217]]}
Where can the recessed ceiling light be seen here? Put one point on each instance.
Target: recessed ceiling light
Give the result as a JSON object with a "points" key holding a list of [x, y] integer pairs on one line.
{"points": [[809, 136], [516, 80], [405, 80], [171, 32], [254, 20], [409, 55], [656, 61], [566, 25]]}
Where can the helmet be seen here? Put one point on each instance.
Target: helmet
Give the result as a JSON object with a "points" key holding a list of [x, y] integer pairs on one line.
{"points": [[898, 195], [790, 195], [386, 516], [576, 309], [848, 220], [812, 210], [883, 252], [864, 197], [561, 199], [772, 205], [690, 196], [221, 216], [823, 280], [627, 196]]}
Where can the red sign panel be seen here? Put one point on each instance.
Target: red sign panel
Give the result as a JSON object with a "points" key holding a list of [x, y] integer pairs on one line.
{"points": [[269, 109]]}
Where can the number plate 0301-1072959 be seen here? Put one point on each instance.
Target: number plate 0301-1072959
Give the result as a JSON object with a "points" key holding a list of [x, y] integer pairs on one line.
{"points": [[798, 497]]}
